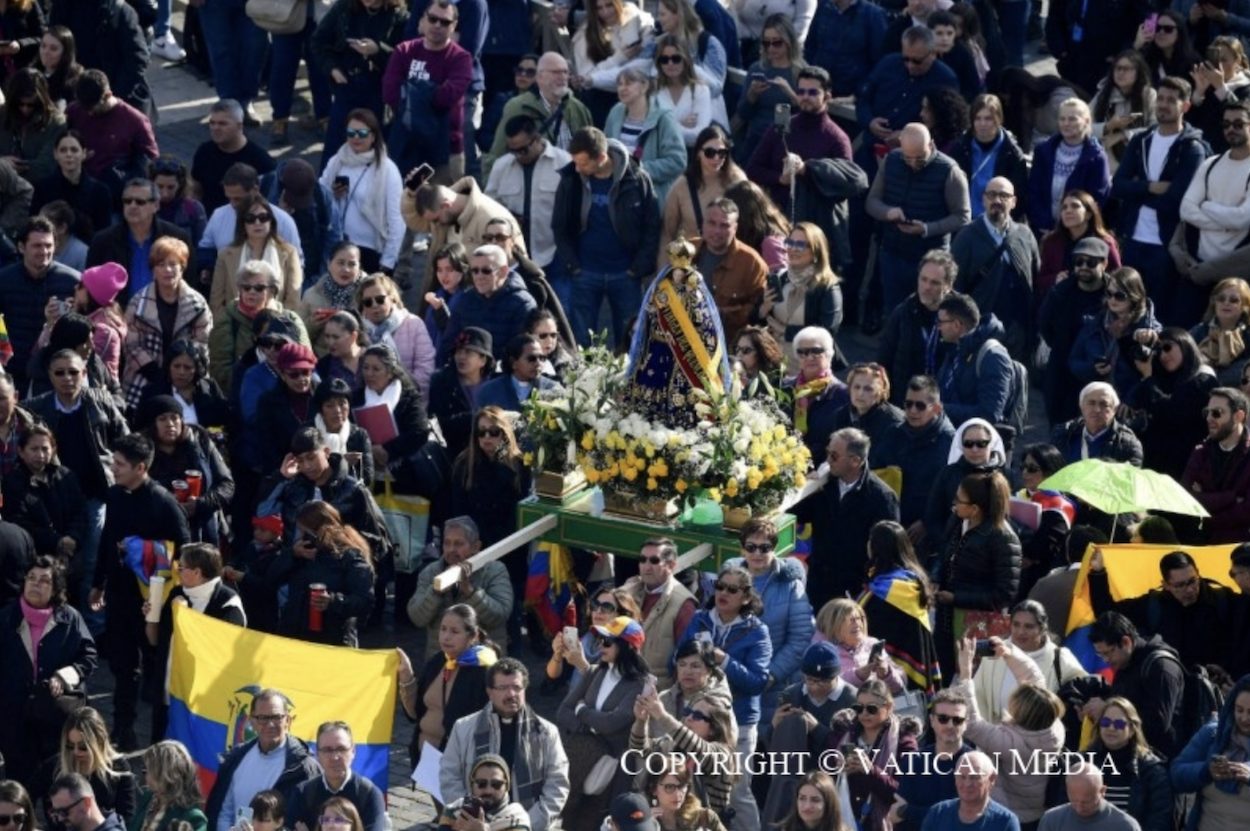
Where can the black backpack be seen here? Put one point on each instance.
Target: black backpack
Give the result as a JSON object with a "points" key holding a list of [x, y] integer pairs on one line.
{"points": [[1201, 699]]}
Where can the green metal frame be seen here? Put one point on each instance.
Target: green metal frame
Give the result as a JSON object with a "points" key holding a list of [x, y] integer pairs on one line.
{"points": [[624, 536]]}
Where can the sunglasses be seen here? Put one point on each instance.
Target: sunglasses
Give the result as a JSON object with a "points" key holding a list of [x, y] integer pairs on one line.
{"points": [[439, 21], [495, 239], [1235, 125], [17, 819], [531, 358], [918, 406], [870, 709], [979, 444], [376, 300], [797, 244], [757, 548], [600, 606], [1213, 412], [715, 152], [525, 71], [254, 219], [67, 373], [62, 813], [729, 588], [1117, 723], [773, 44], [664, 60], [493, 784], [1117, 295], [654, 561], [697, 715], [521, 151], [810, 352], [259, 287], [1086, 262], [135, 200], [358, 132], [943, 718], [485, 272], [493, 432]]}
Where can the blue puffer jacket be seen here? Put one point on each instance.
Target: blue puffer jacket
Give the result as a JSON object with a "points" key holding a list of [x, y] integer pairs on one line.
{"points": [[502, 314], [1191, 769], [750, 654], [971, 391], [788, 616], [1094, 343]]}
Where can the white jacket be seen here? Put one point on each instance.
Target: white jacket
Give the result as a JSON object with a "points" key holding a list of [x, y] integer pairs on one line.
{"points": [[987, 681], [751, 15], [635, 25], [506, 185]]}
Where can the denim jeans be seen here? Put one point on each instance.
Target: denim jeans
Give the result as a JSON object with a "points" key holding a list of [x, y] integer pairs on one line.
{"points": [[161, 27], [1013, 18], [563, 287], [86, 560], [898, 279], [741, 800], [284, 65], [624, 294], [236, 48]]}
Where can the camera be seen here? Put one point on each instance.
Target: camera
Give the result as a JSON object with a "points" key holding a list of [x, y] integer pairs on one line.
{"points": [[984, 649], [473, 807], [781, 118]]}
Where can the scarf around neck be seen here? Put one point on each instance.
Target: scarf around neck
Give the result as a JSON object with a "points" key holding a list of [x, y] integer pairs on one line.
{"points": [[384, 332], [335, 440], [340, 297], [370, 192], [388, 396], [37, 620], [199, 596]]}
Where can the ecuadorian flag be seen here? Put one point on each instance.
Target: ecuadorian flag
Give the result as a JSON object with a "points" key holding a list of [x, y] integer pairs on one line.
{"points": [[217, 668], [1132, 570]]}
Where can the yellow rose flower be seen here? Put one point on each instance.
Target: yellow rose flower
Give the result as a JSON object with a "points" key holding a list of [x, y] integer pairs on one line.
{"points": [[652, 484], [754, 477], [592, 475], [630, 473], [588, 441], [680, 486], [528, 458], [731, 488], [713, 494]]}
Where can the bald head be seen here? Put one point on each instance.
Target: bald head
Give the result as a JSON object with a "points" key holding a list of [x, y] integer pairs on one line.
{"points": [[553, 76], [1085, 789], [999, 199], [916, 145]]}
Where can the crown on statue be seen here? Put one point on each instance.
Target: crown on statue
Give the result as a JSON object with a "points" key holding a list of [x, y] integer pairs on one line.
{"points": [[680, 253]]}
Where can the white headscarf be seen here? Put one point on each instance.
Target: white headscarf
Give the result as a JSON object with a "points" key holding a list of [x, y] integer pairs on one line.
{"points": [[996, 443]]}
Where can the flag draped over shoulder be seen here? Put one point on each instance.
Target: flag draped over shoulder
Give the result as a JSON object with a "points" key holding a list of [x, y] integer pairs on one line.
{"points": [[1132, 570], [896, 616], [218, 667]]}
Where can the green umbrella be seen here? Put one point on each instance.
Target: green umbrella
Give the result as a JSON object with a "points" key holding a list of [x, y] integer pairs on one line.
{"points": [[1121, 488]]}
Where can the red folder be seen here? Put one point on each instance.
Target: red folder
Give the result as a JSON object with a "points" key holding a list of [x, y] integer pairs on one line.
{"points": [[378, 422]]}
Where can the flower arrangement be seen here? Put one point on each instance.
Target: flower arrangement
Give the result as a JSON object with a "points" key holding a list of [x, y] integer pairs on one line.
{"points": [[740, 453]]}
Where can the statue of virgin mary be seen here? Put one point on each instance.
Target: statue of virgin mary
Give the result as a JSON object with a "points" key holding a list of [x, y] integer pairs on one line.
{"points": [[678, 346]]}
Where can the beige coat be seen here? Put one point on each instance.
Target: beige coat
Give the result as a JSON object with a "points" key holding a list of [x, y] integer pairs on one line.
{"points": [[679, 213], [225, 288]]}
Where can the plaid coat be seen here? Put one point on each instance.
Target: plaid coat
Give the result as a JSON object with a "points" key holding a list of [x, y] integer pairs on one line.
{"points": [[143, 349]]}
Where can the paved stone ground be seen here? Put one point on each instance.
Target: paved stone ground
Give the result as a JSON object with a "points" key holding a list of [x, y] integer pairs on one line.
{"points": [[183, 99]]}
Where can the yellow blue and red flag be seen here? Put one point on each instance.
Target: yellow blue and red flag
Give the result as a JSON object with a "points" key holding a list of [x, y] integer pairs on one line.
{"points": [[1132, 570], [218, 667]]}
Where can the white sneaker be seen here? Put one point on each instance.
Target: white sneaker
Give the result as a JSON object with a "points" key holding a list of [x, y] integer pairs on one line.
{"points": [[168, 49]]}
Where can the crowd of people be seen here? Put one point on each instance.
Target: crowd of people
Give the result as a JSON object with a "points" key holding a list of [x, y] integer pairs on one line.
{"points": [[219, 364]]}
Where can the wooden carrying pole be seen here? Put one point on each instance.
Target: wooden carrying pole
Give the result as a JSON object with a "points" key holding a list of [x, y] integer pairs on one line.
{"points": [[693, 557], [446, 579]]}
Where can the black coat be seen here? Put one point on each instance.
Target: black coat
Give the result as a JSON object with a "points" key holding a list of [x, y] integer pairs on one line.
{"points": [[112, 245], [492, 499], [212, 409], [469, 696], [17, 552], [921, 455], [48, 510], [1121, 446], [277, 421], [110, 38], [840, 524], [300, 767], [982, 567], [908, 336], [410, 419], [938, 519], [98, 376], [877, 423], [198, 452], [453, 409], [349, 580], [1172, 411]]}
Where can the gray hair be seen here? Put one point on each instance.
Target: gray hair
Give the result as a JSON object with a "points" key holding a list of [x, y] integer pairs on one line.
{"points": [[146, 184], [856, 440], [635, 75], [230, 107], [497, 256], [815, 333], [466, 526], [260, 268], [920, 34], [1099, 386]]}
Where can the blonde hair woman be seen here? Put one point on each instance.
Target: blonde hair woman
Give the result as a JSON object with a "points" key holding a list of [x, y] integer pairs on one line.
{"points": [[171, 793], [1223, 336], [805, 293], [1072, 159], [681, 91], [85, 750]]}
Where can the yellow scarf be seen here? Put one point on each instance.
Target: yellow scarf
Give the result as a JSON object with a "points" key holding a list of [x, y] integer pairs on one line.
{"points": [[803, 395]]}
